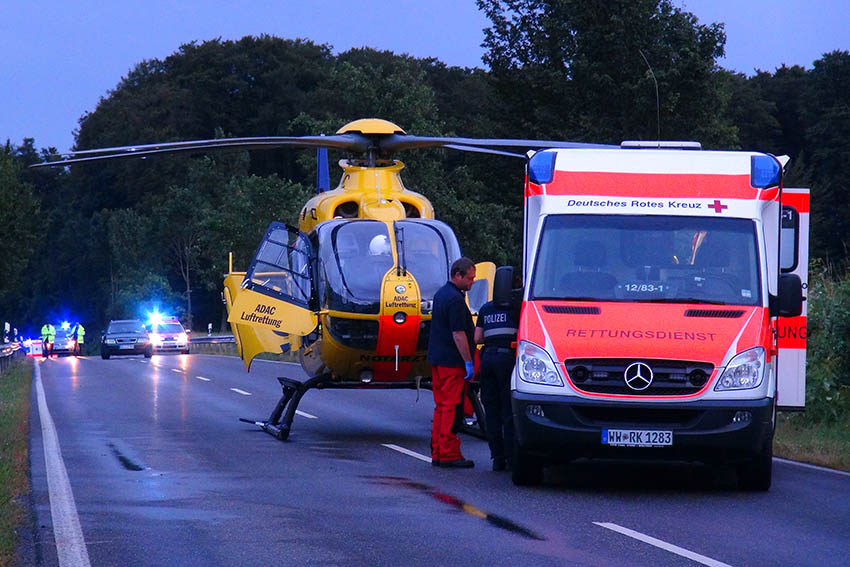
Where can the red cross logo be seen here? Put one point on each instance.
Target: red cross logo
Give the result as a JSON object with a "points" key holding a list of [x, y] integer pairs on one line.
{"points": [[717, 206]]}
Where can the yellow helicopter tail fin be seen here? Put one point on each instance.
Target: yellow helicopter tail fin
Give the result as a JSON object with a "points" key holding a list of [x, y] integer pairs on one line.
{"points": [[252, 340]]}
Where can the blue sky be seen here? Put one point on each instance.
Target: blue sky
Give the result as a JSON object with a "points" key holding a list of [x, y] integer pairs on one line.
{"points": [[60, 57]]}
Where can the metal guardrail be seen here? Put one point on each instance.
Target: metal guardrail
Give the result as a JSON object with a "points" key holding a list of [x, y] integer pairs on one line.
{"points": [[223, 339], [8, 352]]}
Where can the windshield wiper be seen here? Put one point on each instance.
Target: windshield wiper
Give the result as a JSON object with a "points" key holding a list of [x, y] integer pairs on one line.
{"points": [[682, 300]]}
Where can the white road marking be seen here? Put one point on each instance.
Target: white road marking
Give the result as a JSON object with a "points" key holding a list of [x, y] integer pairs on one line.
{"points": [[808, 466], [663, 545], [177, 370], [407, 452], [202, 378], [67, 532], [243, 392], [305, 414]]}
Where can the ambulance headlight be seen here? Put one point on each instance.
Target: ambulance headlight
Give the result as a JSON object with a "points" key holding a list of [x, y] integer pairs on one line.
{"points": [[535, 366], [744, 372]]}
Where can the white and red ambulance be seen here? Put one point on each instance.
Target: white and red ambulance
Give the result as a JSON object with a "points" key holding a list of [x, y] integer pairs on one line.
{"points": [[663, 307]]}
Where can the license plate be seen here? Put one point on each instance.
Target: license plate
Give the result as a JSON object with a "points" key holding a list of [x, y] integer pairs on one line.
{"points": [[636, 438], [127, 346]]}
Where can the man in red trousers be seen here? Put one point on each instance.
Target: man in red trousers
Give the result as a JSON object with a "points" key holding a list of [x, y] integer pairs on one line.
{"points": [[450, 347]]}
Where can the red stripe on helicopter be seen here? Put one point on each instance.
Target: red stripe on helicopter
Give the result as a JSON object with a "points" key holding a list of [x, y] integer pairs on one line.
{"points": [[390, 335], [651, 185]]}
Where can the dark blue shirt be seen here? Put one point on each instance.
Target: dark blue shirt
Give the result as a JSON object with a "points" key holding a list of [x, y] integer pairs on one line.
{"points": [[450, 314], [500, 324]]}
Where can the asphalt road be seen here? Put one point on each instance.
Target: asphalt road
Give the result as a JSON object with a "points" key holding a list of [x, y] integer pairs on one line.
{"points": [[161, 472]]}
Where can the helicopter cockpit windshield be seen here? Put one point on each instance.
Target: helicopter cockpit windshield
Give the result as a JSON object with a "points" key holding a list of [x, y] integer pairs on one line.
{"points": [[354, 256], [427, 249]]}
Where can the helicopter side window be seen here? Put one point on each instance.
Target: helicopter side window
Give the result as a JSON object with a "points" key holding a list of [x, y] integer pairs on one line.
{"points": [[427, 250], [282, 265]]}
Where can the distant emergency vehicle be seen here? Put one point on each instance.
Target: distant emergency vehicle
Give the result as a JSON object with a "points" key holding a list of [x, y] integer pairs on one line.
{"points": [[663, 311]]}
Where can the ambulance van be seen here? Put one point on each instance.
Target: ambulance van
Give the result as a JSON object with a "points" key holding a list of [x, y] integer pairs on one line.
{"points": [[663, 309]]}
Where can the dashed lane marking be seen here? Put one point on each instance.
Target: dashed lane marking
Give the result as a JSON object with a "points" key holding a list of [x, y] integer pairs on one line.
{"points": [[305, 414], [67, 532], [243, 392], [202, 378], [681, 551], [407, 452], [177, 370]]}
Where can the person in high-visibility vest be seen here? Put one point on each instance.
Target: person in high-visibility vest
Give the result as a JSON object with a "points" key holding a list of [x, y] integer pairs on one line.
{"points": [[79, 333], [48, 335]]}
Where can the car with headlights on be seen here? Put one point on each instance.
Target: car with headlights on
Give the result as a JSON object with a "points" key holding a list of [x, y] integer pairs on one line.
{"points": [[64, 343], [125, 337], [169, 336]]}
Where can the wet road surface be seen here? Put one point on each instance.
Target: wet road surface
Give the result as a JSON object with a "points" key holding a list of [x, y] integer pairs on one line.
{"points": [[163, 473]]}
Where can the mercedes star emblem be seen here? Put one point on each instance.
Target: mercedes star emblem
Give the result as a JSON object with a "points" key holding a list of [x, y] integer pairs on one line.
{"points": [[638, 376]]}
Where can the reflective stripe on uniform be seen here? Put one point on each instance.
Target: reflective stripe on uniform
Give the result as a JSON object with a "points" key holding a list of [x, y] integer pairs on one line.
{"points": [[499, 331]]}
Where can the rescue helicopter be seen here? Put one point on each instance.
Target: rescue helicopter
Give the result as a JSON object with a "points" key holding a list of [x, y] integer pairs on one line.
{"points": [[351, 287]]}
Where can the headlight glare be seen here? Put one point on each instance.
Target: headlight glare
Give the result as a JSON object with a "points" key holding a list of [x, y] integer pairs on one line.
{"points": [[744, 372], [535, 366]]}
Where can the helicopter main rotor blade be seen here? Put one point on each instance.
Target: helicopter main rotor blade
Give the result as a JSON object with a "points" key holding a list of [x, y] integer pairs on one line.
{"points": [[484, 151], [351, 142], [398, 142]]}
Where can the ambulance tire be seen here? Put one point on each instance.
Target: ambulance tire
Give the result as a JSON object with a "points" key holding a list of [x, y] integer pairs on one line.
{"points": [[104, 355], [527, 470], [755, 475], [148, 352]]}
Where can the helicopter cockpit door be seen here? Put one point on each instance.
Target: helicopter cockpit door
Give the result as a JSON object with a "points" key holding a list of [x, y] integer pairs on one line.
{"points": [[482, 288], [277, 291]]}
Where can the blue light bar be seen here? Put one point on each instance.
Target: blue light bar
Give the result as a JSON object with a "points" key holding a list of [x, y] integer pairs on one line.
{"points": [[541, 167], [155, 318], [765, 171]]}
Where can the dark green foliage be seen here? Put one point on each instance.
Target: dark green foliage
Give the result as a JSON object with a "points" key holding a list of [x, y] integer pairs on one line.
{"points": [[580, 70], [828, 348]]}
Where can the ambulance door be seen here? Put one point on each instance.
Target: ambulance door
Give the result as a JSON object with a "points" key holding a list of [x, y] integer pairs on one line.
{"points": [[277, 291], [791, 340]]}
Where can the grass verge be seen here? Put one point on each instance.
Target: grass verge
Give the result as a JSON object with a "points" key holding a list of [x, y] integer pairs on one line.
{"points": [[822, 444], [14, 460]]}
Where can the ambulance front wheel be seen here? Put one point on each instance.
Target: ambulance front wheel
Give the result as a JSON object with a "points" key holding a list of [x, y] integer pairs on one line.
{"points": [[755, 475], [527, 470]]}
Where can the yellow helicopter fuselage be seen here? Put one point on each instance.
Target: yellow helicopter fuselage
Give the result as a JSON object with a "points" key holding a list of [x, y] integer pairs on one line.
{"points": [[369, 320]]}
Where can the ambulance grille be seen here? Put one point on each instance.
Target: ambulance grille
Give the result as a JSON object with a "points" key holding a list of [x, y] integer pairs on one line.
{"points": [[573, 310], [729, 314], [607, 376]]}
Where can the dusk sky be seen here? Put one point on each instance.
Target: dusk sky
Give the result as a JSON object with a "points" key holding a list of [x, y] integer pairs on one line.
{"points": [[59, 57]]}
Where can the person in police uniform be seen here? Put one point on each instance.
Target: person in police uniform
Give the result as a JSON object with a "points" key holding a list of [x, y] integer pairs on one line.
{"points": [[497, 329]]}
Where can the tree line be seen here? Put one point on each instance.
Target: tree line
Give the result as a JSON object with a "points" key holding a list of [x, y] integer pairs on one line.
{"points": [[110, 240]]}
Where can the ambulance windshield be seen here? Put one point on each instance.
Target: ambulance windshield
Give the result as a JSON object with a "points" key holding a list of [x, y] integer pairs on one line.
{"points": [[647, 258]]}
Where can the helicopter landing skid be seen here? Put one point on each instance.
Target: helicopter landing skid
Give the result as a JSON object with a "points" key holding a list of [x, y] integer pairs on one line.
{"points": [[476, 425], [280, 421]]}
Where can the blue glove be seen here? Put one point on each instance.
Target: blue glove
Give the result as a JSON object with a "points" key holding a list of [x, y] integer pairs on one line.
{"points": [[470, 370]]}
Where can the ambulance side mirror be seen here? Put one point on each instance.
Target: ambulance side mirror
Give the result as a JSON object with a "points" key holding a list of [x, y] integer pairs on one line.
{"points": [[503, 285], [789, 302]]}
